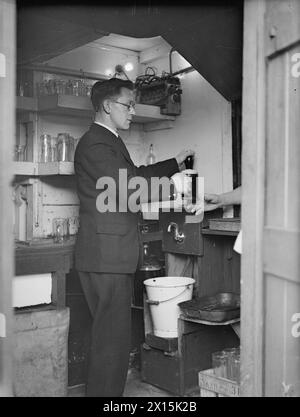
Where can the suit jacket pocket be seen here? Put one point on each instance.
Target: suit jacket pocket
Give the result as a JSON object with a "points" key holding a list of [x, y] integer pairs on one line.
{"points": [[112, 228]]}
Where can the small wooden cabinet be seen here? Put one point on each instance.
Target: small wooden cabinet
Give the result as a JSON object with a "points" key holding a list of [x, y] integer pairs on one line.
{"points": [[207, 256]]}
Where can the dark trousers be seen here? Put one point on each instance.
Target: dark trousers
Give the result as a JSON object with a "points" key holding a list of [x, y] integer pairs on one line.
{"points": [[109, 300]]}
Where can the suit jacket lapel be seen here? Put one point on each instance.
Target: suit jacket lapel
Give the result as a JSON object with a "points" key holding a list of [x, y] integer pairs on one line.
{"points": [[124, 150], [105, 136]]}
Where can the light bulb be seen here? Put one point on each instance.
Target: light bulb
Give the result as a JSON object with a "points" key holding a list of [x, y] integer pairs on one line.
{"points": [[128, 66]]}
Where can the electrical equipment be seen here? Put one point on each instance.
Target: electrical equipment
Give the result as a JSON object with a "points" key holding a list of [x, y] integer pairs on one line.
{"points": [[164, 91]]}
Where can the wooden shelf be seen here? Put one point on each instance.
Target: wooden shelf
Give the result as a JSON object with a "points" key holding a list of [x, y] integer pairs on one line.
{"points": [[148, 114], [66, 105], [206, 231], [39, 168], [210, 323], [54, 168]]}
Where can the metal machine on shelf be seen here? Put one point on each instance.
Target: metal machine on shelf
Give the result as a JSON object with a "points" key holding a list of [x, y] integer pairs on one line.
{"points": [[164, 91]]}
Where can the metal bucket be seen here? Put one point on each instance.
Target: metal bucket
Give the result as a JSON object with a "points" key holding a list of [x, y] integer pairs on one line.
{"points": [[164, 294]]}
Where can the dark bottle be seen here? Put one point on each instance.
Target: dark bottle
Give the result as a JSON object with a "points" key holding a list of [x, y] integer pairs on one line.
{"points": [[189, 162], [150, 268]]}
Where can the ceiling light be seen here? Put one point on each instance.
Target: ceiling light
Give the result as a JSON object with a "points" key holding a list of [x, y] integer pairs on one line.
{"points": [[128, 66]]}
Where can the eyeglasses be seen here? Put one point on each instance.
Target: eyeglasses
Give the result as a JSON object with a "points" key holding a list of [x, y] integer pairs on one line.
{"points": [[130, 106]]}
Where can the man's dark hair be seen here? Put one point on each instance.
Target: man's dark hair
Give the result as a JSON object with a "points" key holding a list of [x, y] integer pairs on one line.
{"points": [[111, 88]]}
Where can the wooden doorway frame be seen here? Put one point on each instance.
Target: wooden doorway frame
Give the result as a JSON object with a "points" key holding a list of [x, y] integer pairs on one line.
{"points": [[7, 139], [253, 177]]}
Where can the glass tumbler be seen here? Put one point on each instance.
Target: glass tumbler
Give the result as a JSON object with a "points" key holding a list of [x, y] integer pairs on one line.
{"points": [[219, 362], [53, 150], [236, 368], [45, 148], [61, 230], [230, 354]]}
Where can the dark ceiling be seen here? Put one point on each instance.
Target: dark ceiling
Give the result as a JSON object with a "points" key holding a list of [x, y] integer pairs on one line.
{"points": [[208, 35]]}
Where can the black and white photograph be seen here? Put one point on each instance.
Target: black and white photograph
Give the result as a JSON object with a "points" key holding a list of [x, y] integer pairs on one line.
{"points": [[149, 201]]}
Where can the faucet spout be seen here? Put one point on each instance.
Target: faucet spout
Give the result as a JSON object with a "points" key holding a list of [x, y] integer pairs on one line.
{"points": [[179, 237]]}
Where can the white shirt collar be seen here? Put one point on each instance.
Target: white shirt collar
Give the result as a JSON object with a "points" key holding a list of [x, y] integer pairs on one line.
{"points": [[107, 127]]}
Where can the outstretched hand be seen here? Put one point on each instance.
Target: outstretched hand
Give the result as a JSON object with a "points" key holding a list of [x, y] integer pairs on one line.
{"points": [[211, 202]]}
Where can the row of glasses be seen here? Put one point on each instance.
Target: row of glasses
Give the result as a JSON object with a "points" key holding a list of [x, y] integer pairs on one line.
{"points": [[61, 228], [60, 148], [226, 364], [63, 87], [52, 149]]}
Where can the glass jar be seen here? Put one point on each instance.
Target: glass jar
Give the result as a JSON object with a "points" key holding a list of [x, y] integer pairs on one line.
{"points": [[88, 90], [60, 86], [45, 148], [75, 87], [63, 147], [71, 149], [41, 88]]}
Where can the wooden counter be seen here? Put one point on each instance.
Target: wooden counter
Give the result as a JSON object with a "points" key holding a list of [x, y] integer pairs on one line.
{"points": [[207, 232]]}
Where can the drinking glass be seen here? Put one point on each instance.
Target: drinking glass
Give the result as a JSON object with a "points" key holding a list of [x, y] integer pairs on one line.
{"points": [[236, 368], [53, 150], [230, 355], [60, 86], [45, 148], [60, 230], [219, 360]]}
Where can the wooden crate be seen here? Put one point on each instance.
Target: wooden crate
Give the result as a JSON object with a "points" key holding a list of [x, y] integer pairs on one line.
{"points": [[214, 386]]}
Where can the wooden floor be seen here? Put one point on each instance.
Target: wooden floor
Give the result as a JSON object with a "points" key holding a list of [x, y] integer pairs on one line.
{"points": [[135, 387]]}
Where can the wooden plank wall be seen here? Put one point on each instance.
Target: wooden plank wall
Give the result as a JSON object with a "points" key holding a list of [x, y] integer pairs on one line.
{"points": [[253, 156], [282, 217]]}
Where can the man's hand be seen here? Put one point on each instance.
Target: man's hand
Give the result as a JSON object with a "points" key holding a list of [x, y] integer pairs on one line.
{"points": [[181, 157]]}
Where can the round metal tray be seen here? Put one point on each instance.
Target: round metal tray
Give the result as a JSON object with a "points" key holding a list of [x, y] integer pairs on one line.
{"points": [[219, 307]]}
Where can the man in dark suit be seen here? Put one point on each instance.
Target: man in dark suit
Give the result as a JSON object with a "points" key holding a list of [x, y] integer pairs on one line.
{"points": [[107, 246]]}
